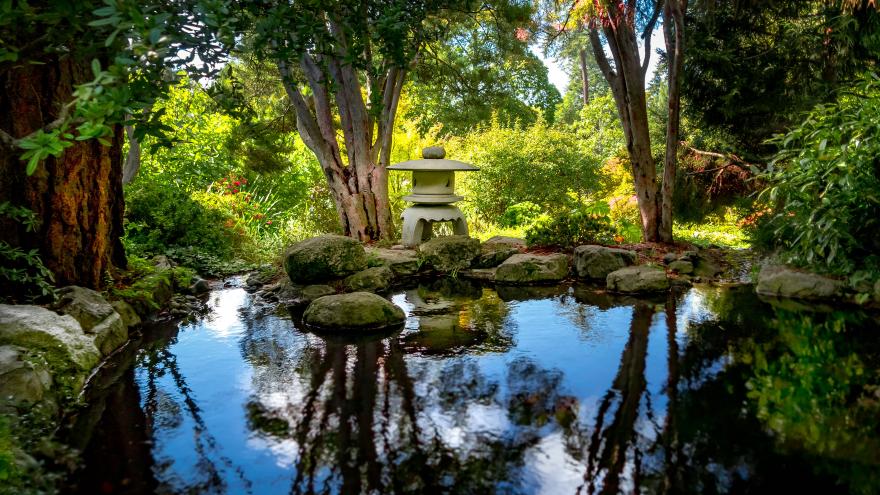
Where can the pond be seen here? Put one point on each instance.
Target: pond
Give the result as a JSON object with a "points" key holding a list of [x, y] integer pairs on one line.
{"points": [[551, 390]]}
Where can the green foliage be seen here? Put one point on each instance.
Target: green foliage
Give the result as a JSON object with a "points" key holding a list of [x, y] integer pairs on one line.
{"points": [[539, 164], [569, 228], [132, 49], [478, 71], [823, 185], [520, 214], [24, 272], [815, 392], [751, 68], [162, 215]]}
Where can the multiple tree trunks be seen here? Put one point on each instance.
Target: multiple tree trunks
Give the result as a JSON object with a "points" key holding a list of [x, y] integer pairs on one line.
{"points": [[627, 81], [359, 183], [77, 197]]}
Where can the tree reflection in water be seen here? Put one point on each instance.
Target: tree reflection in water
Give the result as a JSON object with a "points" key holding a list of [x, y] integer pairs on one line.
{"points": [[464, 400]]}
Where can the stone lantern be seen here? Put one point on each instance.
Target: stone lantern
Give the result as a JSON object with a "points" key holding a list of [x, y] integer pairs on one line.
{"points": [[433, 193]]}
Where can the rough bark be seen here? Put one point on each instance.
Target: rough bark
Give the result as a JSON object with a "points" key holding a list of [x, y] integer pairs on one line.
{"points": [[358, 183], [627, 82], [76, 197], [673, 34]]}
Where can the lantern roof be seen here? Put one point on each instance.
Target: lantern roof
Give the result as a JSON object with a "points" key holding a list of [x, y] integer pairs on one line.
{"points": [[433, 160]]}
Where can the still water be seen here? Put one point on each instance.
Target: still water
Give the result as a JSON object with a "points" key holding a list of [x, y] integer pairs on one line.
{"points": [[556, 390]]}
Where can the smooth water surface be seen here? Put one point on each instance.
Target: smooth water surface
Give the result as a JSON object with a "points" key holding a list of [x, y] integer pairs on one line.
{"points": [[509, 390]]}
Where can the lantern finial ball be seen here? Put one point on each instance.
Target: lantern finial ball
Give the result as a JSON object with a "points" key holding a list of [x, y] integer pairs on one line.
{"points": [[433, 152]]}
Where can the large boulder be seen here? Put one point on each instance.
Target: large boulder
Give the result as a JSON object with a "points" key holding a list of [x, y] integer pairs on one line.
{"points": [[353, 311], [532, 269], [450, 253], [376, 279], [403, 262], [781, 281], [95, 315], [24, 379], [596, 262], [641, 278], [324, 258], [59, 337]]}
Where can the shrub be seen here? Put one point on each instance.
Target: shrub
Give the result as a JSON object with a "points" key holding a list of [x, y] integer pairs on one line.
{"points": [[585, 225], [823, 185], [539, 164], [160, 216], [520, 214]]}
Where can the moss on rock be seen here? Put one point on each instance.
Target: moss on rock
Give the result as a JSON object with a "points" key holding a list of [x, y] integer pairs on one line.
{"points": [[324, 258]]}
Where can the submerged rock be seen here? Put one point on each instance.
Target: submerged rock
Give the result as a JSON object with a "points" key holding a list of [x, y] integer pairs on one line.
{"points": [[641, 278], [353, 311], [532, 268], [781, 281], [403, 262], [324, 258], [376, 279], [450, 253], [596, 262], [95, 315], [59, 337], [24, 380]]}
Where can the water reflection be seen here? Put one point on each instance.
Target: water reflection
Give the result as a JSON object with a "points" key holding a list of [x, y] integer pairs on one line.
{"points": [[514, 390]]}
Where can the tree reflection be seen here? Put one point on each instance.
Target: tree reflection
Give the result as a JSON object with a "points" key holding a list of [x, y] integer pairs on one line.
{"points": [[610, 445]]}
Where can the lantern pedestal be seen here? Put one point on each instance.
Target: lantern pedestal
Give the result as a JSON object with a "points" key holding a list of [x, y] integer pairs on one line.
{"points": [[418, 222]]}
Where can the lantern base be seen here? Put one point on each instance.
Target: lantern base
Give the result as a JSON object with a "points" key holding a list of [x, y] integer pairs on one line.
{"points": [[418, 222]]}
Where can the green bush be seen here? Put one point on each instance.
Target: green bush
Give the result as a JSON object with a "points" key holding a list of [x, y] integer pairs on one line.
{"points": [[520, 214], [160, 216], [539, 164], [824, 185], [585, 225]]}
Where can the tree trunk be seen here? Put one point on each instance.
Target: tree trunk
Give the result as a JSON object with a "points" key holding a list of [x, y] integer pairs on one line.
{"points": [[359, 184], [673, 33], [627, 82], [585, 76], [77, 197]]}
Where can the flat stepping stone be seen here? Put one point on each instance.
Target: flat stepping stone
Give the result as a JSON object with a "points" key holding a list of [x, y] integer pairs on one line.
{"points": [[532, 269]]}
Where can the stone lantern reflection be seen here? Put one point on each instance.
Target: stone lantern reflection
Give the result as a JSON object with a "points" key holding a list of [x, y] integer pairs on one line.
{"points": [[433, 192]]}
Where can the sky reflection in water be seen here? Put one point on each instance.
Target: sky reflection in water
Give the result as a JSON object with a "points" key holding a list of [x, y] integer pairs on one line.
{"points": [[514, 390]]}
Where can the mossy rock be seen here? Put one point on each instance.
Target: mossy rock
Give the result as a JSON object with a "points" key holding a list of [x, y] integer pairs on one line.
{"points": [[532, 269], [95, 315], [634, 279], [403, 262], [596, 262], [493, 254], [376, 279], [781, 281], [70, 353], [449, 254], [324, 258], [355, 311]]}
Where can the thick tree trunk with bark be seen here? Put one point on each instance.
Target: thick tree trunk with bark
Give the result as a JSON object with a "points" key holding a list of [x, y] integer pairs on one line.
{"points": [[76, 197], [359, 183], [627, 81]]}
